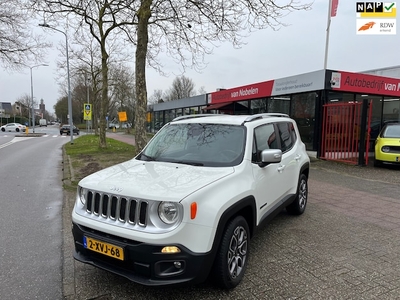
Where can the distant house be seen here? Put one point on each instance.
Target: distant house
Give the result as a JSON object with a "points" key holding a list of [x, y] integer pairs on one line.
{"points": [[5, 109]]}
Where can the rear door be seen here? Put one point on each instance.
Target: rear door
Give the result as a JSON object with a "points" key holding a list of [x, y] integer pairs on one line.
{"points": [[269, 182], [291, 156]]}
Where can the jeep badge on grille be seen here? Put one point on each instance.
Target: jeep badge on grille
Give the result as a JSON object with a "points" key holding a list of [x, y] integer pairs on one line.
{"points": [[116, 189]]}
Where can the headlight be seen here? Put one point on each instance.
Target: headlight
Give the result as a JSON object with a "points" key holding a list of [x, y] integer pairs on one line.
{"points": [[82, 195], [385, 149], [168, 212]]}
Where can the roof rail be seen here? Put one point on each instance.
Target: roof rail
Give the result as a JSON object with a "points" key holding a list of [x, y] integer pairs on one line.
{"points": [[264, 115], [194, 116]]}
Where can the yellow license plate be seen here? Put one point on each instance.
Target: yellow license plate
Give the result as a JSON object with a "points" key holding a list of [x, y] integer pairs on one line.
{"points": [[103, 248]]}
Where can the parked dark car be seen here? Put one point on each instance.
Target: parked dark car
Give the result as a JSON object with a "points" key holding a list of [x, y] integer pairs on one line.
{"points": [[66, 129]]}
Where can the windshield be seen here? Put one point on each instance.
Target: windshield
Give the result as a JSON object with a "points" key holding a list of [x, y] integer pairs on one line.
{"points": [[216, 145], [392, 131]]}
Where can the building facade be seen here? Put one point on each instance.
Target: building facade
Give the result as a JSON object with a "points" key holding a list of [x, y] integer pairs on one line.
{"points": [[301, 96]]}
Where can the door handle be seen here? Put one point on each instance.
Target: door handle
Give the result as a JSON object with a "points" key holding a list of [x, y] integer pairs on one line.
{"points": [[297, 157], [281, 168]]}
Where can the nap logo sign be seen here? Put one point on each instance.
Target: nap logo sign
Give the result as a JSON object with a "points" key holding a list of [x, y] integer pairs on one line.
{"points": [[376, 9], [369, 7], [376, 18]]}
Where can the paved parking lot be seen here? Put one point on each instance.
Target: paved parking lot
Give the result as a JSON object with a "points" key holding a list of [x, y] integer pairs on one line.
{"points": [[345, 246]]}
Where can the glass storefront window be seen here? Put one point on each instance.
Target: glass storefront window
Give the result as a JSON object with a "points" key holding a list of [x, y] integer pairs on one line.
{"points": [[179, 112], [169, 115], [279, 104], [241, 107], [391, 109], [303, 111], [376, 105], [375, 123], [158, 120], [340, 97], [258, 106]]}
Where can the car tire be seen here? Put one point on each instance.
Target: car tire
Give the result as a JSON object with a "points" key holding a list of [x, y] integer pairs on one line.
{"points": [[298, 206], [17, 129], [3, 129], [233, 254]]}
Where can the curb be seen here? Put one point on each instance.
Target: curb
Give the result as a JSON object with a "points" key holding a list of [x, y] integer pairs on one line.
{"points": [[68, 263]]}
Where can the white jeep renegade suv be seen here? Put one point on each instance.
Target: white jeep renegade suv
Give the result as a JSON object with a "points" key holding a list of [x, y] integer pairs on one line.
{"points": [[188, 204]]}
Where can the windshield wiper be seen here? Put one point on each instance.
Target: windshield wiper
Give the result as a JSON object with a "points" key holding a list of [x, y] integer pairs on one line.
{"points": [[191, 163]]}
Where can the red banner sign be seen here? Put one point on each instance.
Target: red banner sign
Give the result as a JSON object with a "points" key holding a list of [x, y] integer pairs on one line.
{"points": [[365, 84], [251, 91]]}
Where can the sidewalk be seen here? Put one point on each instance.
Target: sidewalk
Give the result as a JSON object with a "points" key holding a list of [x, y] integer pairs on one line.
{"points": [[122, 137]]}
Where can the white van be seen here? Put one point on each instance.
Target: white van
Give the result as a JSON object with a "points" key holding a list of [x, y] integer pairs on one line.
{"points": [[43, 122]]}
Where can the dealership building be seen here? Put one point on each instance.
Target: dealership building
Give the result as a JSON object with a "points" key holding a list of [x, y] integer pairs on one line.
{"points": [[320, 101]]}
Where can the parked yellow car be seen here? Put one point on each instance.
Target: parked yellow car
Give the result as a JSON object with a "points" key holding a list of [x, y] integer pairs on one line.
{"points": [[387, 145]]}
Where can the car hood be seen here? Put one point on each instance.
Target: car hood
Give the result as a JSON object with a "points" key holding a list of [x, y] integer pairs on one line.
{"points": [[389, 141], [153, 180]]}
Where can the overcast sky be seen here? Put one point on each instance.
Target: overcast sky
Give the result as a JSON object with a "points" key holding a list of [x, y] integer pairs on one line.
{"points": [[295, 49]]}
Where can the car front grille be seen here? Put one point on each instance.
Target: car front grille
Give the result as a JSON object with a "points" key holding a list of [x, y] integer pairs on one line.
{"points": [[394, 149], [117, 208]]}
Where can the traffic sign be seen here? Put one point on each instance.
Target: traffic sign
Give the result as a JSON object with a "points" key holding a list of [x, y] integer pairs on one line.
{"points": [[122, 116], [87, 112]]}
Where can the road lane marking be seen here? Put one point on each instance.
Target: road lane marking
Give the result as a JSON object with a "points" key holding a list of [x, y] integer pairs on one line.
{"points": [[15, 140]]}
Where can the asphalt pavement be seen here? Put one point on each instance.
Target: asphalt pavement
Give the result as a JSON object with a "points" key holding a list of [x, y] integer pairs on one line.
{"points": [[345, 246]]}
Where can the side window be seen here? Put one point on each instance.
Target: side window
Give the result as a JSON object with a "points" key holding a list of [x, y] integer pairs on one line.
{"points": [[287, 135], [264, 138]]}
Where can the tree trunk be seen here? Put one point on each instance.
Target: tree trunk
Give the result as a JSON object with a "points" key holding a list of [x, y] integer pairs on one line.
{"points": [[104, 96], [143, 14]]}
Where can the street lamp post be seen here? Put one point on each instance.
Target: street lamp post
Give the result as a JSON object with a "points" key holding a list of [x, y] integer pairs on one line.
{"points": [[87, 99], [71, 130], [33, 110]]}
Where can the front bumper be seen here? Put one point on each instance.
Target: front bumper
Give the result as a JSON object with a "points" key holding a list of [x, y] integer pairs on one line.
{"points": [[144, 263], [388, 157]]}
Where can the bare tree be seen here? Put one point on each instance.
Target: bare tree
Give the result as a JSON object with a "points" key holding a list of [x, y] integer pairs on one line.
{"points": [[18, 45], [158, 96], [122, 89], [86, 64], [25, 105], [202, 91], [182, 87], [186, 30], [26, 101], [104, 20]]}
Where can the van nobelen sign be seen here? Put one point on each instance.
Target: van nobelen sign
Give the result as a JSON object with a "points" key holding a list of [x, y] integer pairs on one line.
{"points": [[308, 82], [294, 84]]}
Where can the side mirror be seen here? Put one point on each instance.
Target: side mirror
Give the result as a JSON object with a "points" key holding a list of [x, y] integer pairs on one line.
{"points": [[270, 156]]}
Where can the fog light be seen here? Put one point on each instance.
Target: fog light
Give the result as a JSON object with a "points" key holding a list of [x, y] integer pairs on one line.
{"points": [[385, 149], [177, 264], [170, 249]]}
